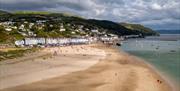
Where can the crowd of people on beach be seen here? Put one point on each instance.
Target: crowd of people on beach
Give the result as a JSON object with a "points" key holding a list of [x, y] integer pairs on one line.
{"points": [[78, 49]]}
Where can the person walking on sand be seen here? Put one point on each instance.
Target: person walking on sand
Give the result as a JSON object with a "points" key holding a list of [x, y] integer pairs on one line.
{"points": [[55, 52]]}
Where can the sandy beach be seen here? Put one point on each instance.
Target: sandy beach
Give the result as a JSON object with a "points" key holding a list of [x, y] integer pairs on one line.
{"points": [[47, 63], [81, 68]]}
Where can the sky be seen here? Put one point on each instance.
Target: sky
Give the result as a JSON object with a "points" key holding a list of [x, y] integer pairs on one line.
{"points": [[156, 14]]}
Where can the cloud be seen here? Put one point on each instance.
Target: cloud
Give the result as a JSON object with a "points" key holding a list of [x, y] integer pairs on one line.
{"points": [[157, 14], [156, 6]]}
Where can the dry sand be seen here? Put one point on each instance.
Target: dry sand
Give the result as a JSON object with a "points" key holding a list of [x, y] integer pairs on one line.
{"points": [[117, 72], [45, 64]]}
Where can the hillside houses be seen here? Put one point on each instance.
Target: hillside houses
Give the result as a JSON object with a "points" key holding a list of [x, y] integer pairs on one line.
{"points": [[62, 29], [8, 25], [54, 33], [8, 29], [42, 28], [94, 31]]}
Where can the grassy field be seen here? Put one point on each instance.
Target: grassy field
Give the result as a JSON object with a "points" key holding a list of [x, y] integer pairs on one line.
{"points": [[11, 53], [32, 12]]}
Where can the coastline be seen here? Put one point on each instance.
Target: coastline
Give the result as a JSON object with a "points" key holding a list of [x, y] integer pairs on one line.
{"points": [[119, 71], [165, 77], [159, 53]]}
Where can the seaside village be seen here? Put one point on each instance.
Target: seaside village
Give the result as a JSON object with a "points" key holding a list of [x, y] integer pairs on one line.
{"points": [[45, 42], [31, 39]]}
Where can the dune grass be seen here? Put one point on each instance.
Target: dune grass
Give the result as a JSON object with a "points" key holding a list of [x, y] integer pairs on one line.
{"points": [[15, 53]]}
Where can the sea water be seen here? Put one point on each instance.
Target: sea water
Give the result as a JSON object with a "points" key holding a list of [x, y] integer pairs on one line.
{"points": [[162, 52]]}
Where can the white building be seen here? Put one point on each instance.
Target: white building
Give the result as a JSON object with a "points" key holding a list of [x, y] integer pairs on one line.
{"points": [[22, 27], [22, 33], [8, 29], [40, 21], [63, 41], [14, 27], [62, 30], [73, 32], [19, 42], [31, 25], [30, 33], [79, 40], [94, 31], [34, 41], [51, 41]]}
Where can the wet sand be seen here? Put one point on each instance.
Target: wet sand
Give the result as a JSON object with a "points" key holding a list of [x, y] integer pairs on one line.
{"points": [[117, 72]]}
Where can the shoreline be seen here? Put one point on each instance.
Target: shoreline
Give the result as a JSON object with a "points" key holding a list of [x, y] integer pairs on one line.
{"points": [[166, 78], [118, 71], [154, 70]]}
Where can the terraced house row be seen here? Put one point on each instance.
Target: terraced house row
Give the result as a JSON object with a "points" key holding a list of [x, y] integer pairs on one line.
{"points": [[53, 41]]}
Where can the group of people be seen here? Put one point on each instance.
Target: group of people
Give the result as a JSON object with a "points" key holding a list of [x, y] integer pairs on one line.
{"points": [[55, 51]]}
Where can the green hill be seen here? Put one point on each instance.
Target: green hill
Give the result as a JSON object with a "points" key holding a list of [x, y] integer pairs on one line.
{"points": [[3, 12], [31, 12], [112, 27], [137, 28], [56, 19]]}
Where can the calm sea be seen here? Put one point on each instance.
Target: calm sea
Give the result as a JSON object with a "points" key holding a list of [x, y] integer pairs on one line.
{"points": [[162, 52]]}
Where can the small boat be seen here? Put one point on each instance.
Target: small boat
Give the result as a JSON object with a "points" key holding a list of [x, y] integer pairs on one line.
{"points": [[118, 44]]}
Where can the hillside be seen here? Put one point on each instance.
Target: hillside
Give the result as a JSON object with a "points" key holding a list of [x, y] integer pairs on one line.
{"points": [[53, 22], [137, 28], [3, 12], [31, 12], [112, 27]]}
